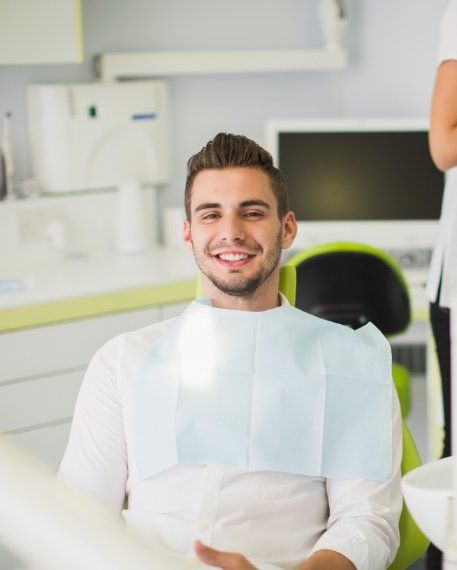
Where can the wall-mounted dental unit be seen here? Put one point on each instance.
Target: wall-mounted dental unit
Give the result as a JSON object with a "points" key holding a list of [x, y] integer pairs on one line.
{"points": [[99, 135], [94, 135]]}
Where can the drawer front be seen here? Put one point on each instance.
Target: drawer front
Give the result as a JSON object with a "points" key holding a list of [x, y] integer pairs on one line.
{"points": [[64, 346], [30, 403], [47, 443]]}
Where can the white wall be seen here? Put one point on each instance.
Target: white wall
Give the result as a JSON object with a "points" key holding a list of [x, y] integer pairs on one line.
{"points": [[392, 46]]}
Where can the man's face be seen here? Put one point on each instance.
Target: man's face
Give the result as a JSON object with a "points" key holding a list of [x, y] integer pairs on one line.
{"points": [[235, 232]]}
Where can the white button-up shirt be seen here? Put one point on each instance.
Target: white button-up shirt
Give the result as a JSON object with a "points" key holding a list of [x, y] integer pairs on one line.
{"points": [[276, 520]]}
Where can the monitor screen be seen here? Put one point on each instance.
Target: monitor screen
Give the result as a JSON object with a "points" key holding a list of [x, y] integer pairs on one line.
{"points": [[365, 175]]}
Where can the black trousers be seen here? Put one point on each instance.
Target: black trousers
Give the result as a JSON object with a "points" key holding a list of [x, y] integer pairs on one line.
{"points": [[441, 329]]}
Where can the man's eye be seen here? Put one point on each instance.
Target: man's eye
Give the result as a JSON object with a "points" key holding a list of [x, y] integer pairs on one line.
{"points": [[210, 216], [254, 214]]}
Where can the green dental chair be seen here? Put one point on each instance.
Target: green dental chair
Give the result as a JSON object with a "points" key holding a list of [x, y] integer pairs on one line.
{"points": [[307, 293]]}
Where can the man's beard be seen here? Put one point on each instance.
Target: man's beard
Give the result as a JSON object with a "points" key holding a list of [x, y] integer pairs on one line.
{"points": [[247, 286]]}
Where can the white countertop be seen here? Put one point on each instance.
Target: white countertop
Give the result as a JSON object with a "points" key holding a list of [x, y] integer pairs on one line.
{"points": [[46, 279]]}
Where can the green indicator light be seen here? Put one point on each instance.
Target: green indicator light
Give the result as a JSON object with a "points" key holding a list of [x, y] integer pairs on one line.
{"points": [[92, 111]]}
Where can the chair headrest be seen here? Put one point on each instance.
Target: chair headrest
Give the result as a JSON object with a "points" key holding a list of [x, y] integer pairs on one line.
{"points": [[353, 287]]}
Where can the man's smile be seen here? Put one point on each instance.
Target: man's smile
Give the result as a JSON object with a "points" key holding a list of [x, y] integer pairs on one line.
{"points": [[233, 258]]}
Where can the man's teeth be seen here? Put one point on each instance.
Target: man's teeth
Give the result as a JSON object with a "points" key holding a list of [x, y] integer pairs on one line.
{"points": [[233, 256]]}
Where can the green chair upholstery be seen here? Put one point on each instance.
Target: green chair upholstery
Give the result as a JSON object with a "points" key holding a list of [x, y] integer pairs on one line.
{"points": [[288, 282], [413, 542], [401, 378]]}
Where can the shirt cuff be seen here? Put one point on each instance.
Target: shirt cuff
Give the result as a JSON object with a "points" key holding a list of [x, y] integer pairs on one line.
{"points": [[353, 544], [346, 548]]}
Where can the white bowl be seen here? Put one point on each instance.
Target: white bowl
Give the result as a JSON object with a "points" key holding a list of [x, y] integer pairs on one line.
{"points": [[427, 491]]}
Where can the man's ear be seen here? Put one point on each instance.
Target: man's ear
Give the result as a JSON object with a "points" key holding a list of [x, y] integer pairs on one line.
{"points": [[289, 231], [187, 236]]}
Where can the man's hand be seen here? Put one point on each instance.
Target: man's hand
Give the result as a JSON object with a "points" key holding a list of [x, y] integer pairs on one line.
{"points": [[224, 560]]}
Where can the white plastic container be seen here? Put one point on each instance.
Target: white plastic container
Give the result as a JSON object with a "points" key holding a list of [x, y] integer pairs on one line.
{"points": [[173, 223], [132, 226]]}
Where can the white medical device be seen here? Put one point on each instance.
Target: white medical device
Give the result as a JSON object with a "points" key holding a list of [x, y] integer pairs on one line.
{"points": [[49, 525], [99, 135]]}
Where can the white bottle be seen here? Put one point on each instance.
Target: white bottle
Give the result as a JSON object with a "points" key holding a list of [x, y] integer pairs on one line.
{"points": [[7, 159], [132, 230]]}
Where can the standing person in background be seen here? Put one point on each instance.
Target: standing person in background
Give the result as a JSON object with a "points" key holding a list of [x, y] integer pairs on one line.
{"points": [[443, 147]]}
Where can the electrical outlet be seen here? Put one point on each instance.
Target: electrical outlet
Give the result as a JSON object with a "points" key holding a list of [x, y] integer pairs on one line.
{"points": [[32, 223]]}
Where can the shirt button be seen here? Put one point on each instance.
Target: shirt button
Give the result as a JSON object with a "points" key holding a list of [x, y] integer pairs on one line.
{"points": [[211, 496], [204, 526]]}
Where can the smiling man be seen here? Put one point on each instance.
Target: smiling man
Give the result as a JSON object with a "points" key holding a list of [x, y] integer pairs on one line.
{"points": [[245, 433]]}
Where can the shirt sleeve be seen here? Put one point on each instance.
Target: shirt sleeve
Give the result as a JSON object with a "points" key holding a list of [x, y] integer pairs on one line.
{"points": [[95, 461], [364, 514], [448, 34]]}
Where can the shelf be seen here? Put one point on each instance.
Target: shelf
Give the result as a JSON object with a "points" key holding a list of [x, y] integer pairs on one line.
{"points": [[112, 66]]}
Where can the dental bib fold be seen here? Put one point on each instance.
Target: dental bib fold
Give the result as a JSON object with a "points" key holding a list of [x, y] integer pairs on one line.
{"points": [[277, 390]]}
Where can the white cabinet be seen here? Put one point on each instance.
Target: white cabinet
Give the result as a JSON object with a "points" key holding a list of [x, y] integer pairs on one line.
{"points": [[38, 401], [41, 370], [64, 346], [48, 443], [41, 31]]}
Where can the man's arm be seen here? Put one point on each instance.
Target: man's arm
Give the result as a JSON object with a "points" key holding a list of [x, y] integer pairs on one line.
{"points": [[364, 514], [95, 461]]}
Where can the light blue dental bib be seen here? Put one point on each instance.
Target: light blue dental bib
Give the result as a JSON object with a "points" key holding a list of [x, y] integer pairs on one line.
{"points": [[275, 390]]}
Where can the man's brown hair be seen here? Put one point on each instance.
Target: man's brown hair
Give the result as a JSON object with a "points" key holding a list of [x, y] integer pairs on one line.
{"points": [[227, 151]]}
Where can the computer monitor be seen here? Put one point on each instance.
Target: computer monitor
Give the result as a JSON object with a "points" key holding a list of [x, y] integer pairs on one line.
{"points": [[369, 180]]}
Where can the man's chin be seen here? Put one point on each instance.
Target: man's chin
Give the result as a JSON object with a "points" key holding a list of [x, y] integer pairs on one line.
{"points": [[241, 288]]}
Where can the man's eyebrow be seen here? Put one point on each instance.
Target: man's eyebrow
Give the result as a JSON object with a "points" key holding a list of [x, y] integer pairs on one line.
{"points": [[244, 204], [207, 206], [248, 203]]}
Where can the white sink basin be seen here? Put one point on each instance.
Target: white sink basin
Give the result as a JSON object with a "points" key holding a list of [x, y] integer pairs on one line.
{"points": [[427, 491]]}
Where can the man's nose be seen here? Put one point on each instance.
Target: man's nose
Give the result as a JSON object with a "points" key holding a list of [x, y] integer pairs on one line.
{"points": [[232, 228]]}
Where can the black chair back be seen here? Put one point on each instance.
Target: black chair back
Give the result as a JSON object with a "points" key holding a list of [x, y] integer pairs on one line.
{"points": [[353, 288]]}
